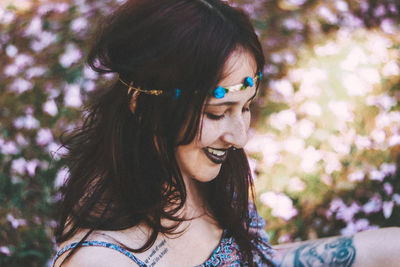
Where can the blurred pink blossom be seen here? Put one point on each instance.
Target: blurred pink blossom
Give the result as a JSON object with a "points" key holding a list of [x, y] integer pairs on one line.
{"points": [[57, 7], [332, 162], [9, 148], [362, 142], [378, 136], [388, 168], [44, 137], [310, 158], [15, 223], [28, 122], [336, 204], [20, 85], [61, 177], [341, 6], [11, 50], [18, 166], [388, 188], [339, 145], [346, 213], [35, 72], [294, 145], [56, 150], [327, 14], [388, 26], [391, 68], [31, 167], [379, 11], [293, 24], [6, 16], [11, 70], [387, 209], [396, 199], [23, 60], [311, 108], [356, 176], [328, 49], [281, 205], [355, 85], [383, 101], [296, 185], [394, 140], [70, 56], [376, 175], [89, 74], [50, 107], [89, 86], [355, 58], [267, 145], [282, 119], [21, 140], [342, 110], [79, 24], [373, 205], [283, 87], [45, 39], [305, 128], [34, 28], [5, 250], [72, 97]]}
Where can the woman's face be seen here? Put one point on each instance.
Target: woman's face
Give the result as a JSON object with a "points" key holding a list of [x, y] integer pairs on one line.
{"points": [[225, 123]]}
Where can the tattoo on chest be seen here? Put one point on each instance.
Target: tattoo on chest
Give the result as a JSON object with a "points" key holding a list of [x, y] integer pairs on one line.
{"points": [[339, 252], [156, 254]]}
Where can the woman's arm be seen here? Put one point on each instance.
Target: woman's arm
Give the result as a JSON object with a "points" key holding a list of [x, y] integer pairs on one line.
{"points": [[379, 247]]}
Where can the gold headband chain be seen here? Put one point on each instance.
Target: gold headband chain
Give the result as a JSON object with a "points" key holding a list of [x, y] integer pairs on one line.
{"points": [[150, 92]]}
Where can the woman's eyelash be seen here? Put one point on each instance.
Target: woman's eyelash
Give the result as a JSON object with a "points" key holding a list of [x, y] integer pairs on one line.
{"points": [[214, 117]]}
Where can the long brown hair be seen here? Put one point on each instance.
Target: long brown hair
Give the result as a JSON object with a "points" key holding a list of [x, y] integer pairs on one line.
{"points": [[121, 161]]}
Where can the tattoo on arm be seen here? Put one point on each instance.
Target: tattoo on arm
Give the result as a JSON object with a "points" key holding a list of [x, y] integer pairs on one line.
{"points": [[339, 252], [156, 254]]}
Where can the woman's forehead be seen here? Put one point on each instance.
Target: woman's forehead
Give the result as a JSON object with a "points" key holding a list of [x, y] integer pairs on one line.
{"points": [[239, 65]]}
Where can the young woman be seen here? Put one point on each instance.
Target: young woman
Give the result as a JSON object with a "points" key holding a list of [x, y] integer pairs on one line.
{"points": [[157, 170], [158, 175]]}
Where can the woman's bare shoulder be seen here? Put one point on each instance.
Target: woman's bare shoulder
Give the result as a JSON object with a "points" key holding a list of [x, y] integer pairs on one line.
{"points": [[100, 255], [95, 256]]}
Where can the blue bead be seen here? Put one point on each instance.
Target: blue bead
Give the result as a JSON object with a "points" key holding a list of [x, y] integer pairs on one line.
{"points": [[248, 81], [177, 93], [219, 92]]}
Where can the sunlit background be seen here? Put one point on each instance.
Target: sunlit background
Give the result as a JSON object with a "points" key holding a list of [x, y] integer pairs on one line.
{"points": [[325, 140]]}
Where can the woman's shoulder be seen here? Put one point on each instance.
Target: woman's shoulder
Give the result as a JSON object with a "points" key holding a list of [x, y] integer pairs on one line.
{"points": [[94, 256], [101, 248]]}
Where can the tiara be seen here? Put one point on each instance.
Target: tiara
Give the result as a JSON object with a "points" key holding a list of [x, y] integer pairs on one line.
{"points": [[218, 92], [175, 93]]}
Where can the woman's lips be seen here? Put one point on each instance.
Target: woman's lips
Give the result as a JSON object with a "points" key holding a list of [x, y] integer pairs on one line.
{"points": [[217, 159]]}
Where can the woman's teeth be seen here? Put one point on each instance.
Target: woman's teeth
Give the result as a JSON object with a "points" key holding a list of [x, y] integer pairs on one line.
{"points": [[216, 155], [216, 152]]}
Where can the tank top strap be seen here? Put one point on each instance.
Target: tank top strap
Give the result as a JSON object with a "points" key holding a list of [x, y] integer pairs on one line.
{"points": [[99, 244]]}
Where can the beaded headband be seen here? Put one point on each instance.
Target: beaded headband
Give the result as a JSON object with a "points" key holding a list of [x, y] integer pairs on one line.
{"points": [[218, 92]]}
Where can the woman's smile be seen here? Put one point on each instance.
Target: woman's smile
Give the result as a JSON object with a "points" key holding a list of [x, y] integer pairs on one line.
{"points": [[217, 156]]}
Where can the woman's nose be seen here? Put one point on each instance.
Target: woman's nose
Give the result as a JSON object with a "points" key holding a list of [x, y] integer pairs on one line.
{"points": [[236, 132]]}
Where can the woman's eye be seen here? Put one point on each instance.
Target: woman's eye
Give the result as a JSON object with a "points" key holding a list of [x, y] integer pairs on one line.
{"points": [[215, 117], [246, 109]]}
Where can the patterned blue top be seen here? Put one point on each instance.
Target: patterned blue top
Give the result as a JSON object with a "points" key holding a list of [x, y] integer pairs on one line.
{"points": [[226, 254]]}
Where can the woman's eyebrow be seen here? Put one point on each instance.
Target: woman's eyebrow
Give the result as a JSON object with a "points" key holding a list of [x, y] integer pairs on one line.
{"points": [[231, 103]]}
